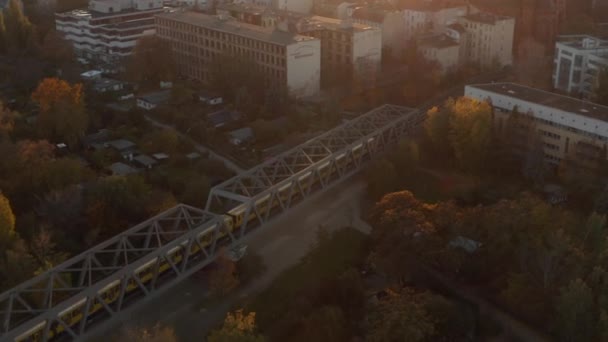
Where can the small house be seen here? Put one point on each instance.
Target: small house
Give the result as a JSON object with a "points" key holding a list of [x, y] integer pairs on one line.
{"points": [[210, 98], [121, 145], [160, 157], [121, 169], [240, 136], [103, 85], [144, 161], [222, 117], [91, 75], [152, 100]]}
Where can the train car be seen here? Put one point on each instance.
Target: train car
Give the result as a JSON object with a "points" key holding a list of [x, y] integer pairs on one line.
{"points": [[32, 335]]}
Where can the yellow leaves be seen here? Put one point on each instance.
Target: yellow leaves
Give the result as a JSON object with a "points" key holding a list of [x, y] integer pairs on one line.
{"points": [[52, 92], [241, 322], [7, 218]]}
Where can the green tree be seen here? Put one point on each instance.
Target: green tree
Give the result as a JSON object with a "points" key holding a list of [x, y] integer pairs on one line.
{"points": [[238, 327], [382, 178], [163, 140], [151, 62], [406, 157], [437, 128], [63, 116], [574, 307], [114, 203], [401, 316]]}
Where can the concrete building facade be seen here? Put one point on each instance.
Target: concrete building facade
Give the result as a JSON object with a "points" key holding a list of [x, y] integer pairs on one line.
{"points": [[442, 50], [490, 39], [106, 32], [577, 62], [288, 60], [566, 126], [348, 49]]}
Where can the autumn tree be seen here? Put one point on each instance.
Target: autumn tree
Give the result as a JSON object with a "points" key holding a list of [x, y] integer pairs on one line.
{"points": [[20, 33], [63, 116], [224, 278], [237, 327], [470, 132], [7, 120], [156, 333], [3, 35], [7, 221], [403, 222], [151, 62], [163, 140]]}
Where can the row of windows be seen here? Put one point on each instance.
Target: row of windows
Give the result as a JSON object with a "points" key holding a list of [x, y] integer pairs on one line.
{"points": [[259, 57], [551, 146], [549, 134], [191, 33]]}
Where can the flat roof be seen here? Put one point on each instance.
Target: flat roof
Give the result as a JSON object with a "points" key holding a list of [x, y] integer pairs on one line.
{"points": [[237, 28], [158, 97], [333, 24], [486, 18], [545, 98]]}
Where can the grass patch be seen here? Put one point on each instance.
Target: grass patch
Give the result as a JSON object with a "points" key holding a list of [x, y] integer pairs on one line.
{"points": [[334, 254]]}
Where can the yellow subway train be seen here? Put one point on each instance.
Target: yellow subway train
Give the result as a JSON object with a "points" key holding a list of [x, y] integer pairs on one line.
{"points": [[232, 219]]}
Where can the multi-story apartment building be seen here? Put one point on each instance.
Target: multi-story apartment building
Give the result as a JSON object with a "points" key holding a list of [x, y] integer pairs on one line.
{"points": [[577, 63], [490, 39], [106, 32], [347, 49], [390, 22], [425, 16], [566, 126], [441, 49], [287, 60]]}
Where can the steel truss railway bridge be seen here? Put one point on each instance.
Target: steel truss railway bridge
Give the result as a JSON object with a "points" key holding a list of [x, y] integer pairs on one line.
{"points": [[67, 301]]}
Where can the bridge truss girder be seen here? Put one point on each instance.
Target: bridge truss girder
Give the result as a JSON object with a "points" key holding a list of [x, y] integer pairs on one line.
{"points": [[82, 279], [278, 184], [79, 280]]}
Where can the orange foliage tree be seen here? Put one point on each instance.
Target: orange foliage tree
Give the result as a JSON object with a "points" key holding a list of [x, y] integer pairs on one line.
{"points": [[238, 327], [62, 110]]}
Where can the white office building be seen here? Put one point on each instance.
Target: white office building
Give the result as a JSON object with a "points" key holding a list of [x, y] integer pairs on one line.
{"points": [[577, 63], [108, 30], [566, 125]]}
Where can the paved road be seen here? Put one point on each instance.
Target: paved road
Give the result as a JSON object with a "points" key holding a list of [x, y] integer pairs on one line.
{"points": [[281, 243], [229, 163]]}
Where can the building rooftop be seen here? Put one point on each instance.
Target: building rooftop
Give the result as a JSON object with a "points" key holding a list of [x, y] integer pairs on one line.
{"points": [[121, 144], [486, 18], [159, 97], [121, 169], [318, 22], [583, 42], [431, 6], [237, 28], [223, 117], [548, 99], [87, 14], [243, 8], [145, 160]]}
